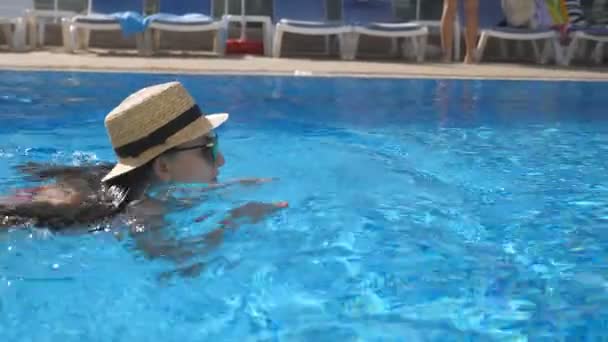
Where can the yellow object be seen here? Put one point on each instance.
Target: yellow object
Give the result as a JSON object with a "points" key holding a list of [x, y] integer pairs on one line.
{"points": [[558, 11], [564, 10]]}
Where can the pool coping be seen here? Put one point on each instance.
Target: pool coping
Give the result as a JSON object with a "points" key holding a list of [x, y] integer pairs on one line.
{"points": [[264, 66]]}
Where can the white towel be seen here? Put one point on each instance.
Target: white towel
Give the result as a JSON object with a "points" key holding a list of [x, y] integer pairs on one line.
{"points": [[519, 13]]}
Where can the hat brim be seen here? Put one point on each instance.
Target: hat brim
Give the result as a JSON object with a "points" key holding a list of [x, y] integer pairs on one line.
{"points": [[216, 120]]}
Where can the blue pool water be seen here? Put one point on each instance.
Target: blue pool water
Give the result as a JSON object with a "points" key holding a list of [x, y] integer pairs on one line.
{"points": [[420, 210]]}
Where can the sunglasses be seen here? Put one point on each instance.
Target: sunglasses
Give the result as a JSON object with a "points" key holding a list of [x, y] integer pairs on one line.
{"points": [[212, 145]]}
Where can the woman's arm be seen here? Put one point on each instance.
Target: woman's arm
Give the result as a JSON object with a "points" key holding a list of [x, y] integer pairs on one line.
{"points": [[239, 181], [152, 239]]}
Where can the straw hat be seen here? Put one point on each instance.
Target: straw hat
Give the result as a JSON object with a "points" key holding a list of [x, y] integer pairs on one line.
{"points": [[153, 120]]}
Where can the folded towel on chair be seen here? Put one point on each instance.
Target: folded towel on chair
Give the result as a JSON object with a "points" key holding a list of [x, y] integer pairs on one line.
{"points": [[130, 22]]}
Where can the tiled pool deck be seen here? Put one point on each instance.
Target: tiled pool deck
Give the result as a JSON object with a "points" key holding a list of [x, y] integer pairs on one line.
{"points": [[52, 60]]}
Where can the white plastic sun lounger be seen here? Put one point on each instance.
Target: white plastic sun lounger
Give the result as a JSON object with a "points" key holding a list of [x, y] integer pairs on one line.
{"points": [[490, 15], [103, 15], [599, 35], [186, 16], [13, 22], [307, 18], [58, 10], [377, 18]]}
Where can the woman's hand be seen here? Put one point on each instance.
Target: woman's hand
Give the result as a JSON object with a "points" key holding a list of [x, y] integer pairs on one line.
{"points": [[255, 181], [252, 212], [241, 181]]}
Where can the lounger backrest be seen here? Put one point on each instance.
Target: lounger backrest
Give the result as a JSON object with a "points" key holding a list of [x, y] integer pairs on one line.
{"points": [[77, 6], [62, 5], [14, 8], [185, 6], [48, 5], [369, 11], [74, 6], [490, 13], [313, 10], [112, 6]]}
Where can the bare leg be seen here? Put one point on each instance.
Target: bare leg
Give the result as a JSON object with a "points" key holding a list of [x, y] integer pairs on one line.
{"points": [[447, 28], [471, 8]]}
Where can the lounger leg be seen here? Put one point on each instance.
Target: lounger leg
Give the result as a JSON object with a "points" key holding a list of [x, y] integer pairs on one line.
{"points": [[78, 37], [86, 39], [503, 48], [267, 39], [10, 36], [570, 50], [148, 37], [583, 49], [536, 51], [140, 44], [41, 33], [481, 46], [519, 48], [406, 50], [21, 34], [66, 38], [547, 49], [216, 42], [394, 47], [147, 42], [6, 33], [81, 37], [223, 32], [32, 27], [559, 52], [422, 47], [537, 55], [418, 47], [415, 44], [349, 45], [6, 30], [156, 36], [327, 42], [219, 42], [598, 53], [277, 42]]}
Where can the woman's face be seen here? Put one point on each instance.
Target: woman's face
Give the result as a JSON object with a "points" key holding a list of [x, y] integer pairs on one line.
{"points": [[197, 161]]}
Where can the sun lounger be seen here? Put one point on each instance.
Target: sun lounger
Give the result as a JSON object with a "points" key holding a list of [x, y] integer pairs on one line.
{"points": [[186, 16], [51, 11], [376, 18], [13, 22], [577, 35], [490, 15], [307, 18], [579, 32], [105, 15]]}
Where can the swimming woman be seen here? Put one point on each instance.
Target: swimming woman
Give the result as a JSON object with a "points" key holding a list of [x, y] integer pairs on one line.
{"points": [[160, 137]]}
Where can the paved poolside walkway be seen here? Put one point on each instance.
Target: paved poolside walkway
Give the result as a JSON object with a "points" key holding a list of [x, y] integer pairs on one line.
{"points": [[288, 66]]}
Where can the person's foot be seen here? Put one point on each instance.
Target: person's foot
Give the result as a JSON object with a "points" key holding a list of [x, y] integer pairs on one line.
{"points": [[469, 59], [446, 58]]}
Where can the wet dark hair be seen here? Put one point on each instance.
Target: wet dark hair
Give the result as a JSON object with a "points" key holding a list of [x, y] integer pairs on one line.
{"points": [[101, 200]]}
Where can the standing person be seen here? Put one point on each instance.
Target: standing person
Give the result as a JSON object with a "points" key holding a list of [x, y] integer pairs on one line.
{"points": [[471, 8]]}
